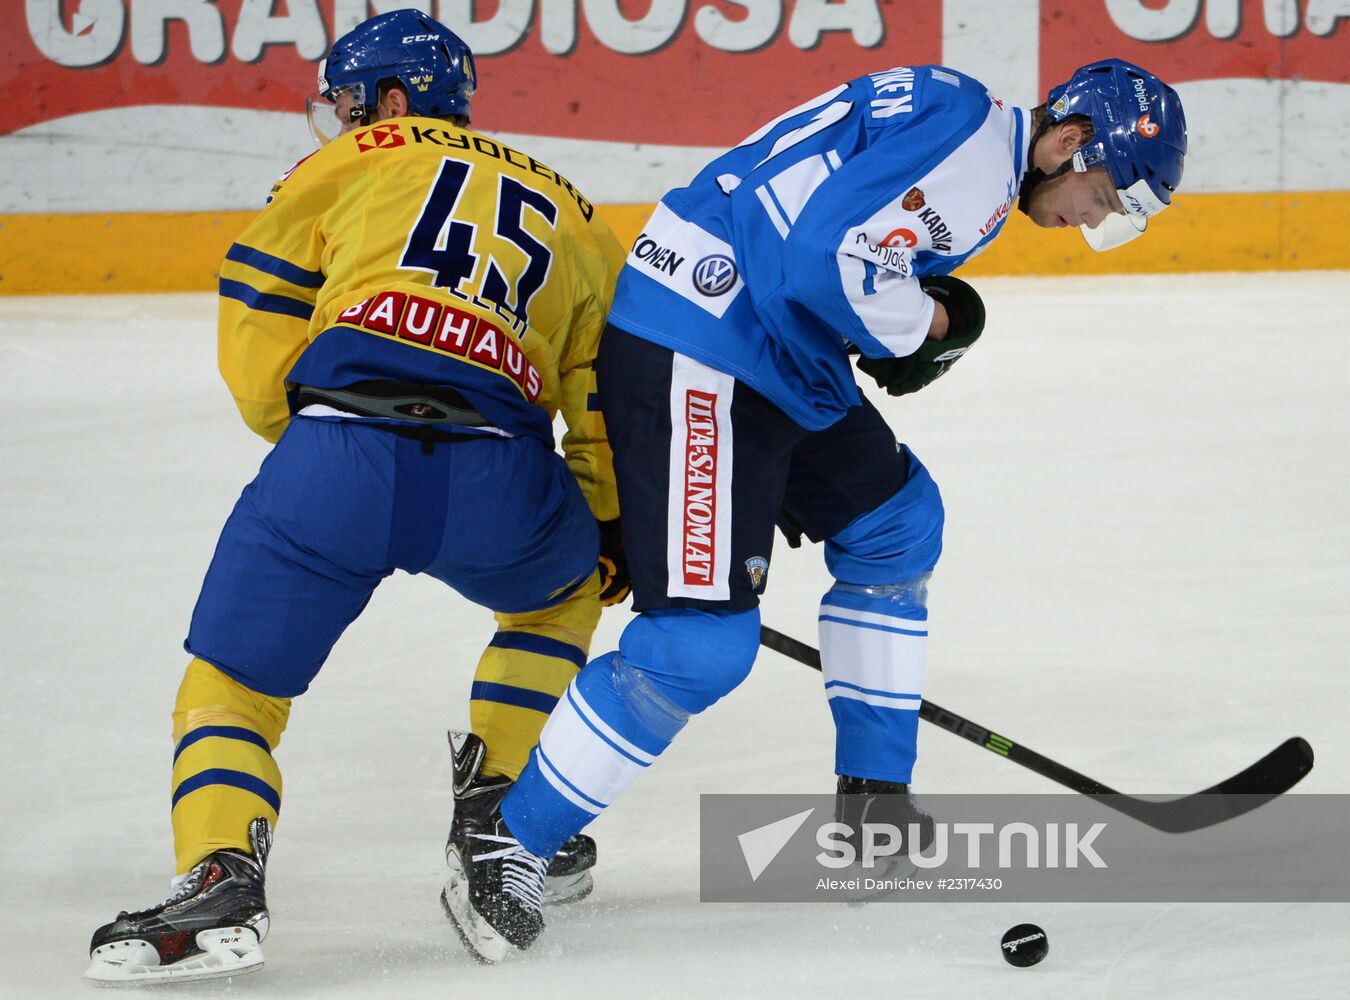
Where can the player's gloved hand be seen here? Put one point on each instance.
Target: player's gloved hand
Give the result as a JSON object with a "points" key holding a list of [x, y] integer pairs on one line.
{"points": [[615, 582], [791, 530], [965, 322]]}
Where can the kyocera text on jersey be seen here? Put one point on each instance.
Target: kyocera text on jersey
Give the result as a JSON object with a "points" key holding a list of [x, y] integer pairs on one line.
{"points": [[453, 138]]}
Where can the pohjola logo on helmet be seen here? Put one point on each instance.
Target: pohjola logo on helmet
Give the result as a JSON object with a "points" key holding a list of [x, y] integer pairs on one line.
{"points": [[715, 274], [1140, 95]]}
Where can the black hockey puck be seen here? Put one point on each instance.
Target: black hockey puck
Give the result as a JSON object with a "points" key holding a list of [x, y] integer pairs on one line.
{"points": [[1025, 945]]}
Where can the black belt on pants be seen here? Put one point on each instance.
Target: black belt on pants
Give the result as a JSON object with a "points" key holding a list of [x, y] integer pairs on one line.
{"points": [[431, 407]]}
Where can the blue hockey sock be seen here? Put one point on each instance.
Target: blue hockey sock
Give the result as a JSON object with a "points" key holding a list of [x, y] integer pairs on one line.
{"points": [[612, 723], [621, 712], [873, 646]]}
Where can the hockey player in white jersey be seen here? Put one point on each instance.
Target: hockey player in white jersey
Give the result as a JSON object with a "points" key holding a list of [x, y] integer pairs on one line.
{"points": [[726, 383]]}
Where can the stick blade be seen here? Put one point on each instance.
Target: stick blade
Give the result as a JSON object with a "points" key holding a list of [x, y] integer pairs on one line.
{"points": [[1271, 776], [1276, 772]]}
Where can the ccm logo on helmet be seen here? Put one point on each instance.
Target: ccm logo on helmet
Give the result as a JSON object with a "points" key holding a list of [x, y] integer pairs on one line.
{"points": [[419, 38], [1147, 128]]}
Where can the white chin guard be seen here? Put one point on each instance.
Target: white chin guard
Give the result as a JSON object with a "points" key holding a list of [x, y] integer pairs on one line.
{"points": [[1114, 231], [1117, 229]]}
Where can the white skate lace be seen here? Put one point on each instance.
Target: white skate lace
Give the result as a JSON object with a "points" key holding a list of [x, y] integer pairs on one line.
{"points": [[181, 887], [522, 872]]}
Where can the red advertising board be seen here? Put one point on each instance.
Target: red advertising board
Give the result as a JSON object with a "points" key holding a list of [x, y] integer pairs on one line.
{"points": [[680, 90], [1183, 40], [683, 72]]}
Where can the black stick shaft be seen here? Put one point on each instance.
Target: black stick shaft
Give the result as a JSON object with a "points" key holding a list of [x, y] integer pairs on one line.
{"points": [[1272, 775], [946, 719]]}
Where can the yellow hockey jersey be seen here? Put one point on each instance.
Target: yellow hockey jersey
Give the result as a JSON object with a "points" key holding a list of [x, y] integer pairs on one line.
{"points": [[419, 252]]}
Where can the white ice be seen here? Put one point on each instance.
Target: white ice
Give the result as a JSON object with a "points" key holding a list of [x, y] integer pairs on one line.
{"points": [[1147, 576]]}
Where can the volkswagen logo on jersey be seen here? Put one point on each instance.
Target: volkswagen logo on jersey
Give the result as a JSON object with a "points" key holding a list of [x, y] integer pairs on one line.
{"points": [[715, 274]]}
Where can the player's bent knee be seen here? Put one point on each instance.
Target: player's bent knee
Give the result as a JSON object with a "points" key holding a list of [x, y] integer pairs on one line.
{"points": [[646, 702], [900, 539], [900, 597], [693, 657], [208, 696]]}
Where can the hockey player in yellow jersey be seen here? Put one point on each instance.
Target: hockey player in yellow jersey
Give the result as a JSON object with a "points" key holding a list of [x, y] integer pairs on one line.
{"points": [[404, 319]]}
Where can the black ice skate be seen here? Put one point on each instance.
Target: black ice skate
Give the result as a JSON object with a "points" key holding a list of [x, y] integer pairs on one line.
{"points": [[863, 801], [568, 879], [476, 798], [210, 928], [494, 893]]}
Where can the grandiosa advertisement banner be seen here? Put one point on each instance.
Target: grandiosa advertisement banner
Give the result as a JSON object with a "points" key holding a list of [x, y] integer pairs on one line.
{"points": [[189, 106], [679, 72]]}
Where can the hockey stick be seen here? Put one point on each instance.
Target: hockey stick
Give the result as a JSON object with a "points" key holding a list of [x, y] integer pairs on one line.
{"points": [[1272, 775]]}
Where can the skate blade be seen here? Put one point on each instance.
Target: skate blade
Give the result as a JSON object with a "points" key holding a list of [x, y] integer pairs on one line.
{"points": [[226, 952], [483, 943], [561, 890]]}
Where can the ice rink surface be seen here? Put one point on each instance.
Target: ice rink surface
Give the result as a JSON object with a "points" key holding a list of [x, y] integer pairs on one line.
{"points": [[1147, 576]]}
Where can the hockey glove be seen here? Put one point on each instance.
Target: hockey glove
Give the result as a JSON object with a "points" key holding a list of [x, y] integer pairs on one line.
{"points": [[614, 579], [965, 322], [791, 529]]}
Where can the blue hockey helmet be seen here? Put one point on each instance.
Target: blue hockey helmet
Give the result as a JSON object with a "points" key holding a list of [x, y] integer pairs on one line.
{"points": [[430, 61], [1139, 137]]}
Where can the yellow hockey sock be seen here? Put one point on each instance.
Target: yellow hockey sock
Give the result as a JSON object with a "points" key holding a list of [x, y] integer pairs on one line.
{"points": [[224, 776], [524, 671]]}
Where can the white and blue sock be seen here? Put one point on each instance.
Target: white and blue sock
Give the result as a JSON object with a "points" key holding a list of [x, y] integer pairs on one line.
{"points": [[873, 646]]}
